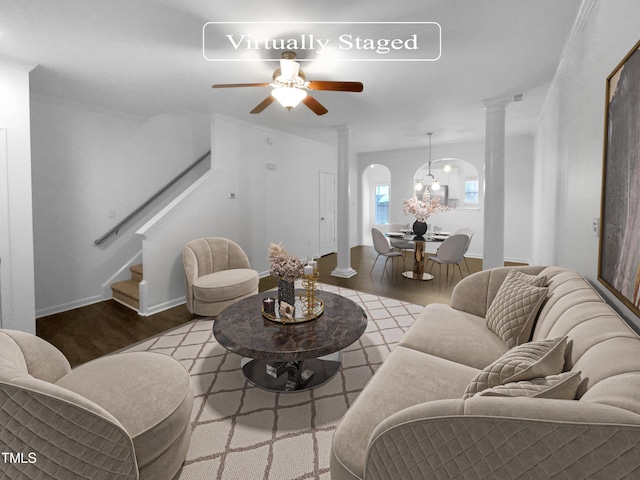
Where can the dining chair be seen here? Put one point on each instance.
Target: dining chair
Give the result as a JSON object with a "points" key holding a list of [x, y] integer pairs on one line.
{"points": [[451, 252], [399, 243], [468, 231], [382, 247]]}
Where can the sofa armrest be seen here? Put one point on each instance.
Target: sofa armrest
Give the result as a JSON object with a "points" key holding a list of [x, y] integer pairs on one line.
{"points": [[44, 361], [58, 434], [504, 438]]}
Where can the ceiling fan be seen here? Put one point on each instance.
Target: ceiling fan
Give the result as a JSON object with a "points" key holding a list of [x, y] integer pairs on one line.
{"points": [[290, 85]]}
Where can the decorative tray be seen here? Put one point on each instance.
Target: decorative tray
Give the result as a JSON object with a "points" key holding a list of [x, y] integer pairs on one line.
{"points": [[300, 315]]}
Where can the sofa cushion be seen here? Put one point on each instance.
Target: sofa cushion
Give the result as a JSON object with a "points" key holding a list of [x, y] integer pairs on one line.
{"points": [[454, 335], [560, 387], [513, 311], [150, 394], [524, 362], [225, 284], [406, 378]]}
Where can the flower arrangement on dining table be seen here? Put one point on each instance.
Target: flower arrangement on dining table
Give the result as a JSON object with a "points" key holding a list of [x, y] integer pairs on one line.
{"points": [[425, 207]]}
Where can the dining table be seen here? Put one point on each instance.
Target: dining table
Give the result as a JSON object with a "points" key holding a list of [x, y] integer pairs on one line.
{"points": [[419, 250]]}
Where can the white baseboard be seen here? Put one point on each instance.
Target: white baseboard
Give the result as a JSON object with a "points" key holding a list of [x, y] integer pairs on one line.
{"points": [[44, 312], [161, 307]]}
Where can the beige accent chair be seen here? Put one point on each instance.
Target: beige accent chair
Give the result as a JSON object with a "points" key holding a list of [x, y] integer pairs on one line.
{"points": [[121, 416], [218, 274]]}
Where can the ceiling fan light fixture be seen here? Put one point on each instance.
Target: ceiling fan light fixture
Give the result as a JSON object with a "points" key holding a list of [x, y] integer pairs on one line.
{"points": [[288, 70], [289, 97]]}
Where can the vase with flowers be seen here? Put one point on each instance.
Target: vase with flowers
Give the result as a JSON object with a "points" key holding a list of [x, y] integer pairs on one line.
{"points": [[287, 268], [422, 209]]}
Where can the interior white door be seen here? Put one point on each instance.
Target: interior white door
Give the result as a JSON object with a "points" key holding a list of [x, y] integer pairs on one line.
{"points": [[327, 213]]}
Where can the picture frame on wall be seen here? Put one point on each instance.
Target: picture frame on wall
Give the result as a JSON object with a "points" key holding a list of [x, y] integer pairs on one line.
{"points": [[619, 250]]}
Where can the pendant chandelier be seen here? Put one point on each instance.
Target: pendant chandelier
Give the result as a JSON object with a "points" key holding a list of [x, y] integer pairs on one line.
{"points": [[435, 184]]}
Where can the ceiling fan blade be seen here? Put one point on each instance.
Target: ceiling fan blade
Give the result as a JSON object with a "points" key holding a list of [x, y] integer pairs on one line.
{"points": [[336, 86], [264, 104], [234, 85], [314, 105]]}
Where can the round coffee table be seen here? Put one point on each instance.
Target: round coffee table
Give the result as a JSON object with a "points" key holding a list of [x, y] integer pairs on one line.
{"points": [[291, 356]]}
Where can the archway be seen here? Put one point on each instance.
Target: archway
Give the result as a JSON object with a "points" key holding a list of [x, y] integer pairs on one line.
{"points": [[461, 188], [459, 183]]}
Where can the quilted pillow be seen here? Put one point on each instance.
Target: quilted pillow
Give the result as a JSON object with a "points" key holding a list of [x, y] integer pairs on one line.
{"points": [[513, 311], [524, 362], [560, 387]]}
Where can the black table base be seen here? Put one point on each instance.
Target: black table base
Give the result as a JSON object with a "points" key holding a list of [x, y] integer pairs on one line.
{"points": [[294, 376]]}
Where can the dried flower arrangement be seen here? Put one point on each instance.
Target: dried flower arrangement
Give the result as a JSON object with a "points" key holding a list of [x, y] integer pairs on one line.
{"points": [[283, 265], [423, 209]]}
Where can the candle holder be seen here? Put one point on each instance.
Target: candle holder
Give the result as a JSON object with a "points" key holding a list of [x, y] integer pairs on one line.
{"points": [[269, 305], [310, 285]]}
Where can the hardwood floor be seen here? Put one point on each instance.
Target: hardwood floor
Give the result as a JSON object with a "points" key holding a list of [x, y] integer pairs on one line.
{"points": [[95, 330]]}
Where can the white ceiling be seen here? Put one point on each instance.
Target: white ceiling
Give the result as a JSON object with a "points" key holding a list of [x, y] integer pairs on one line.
{"points": [[145, 57]]}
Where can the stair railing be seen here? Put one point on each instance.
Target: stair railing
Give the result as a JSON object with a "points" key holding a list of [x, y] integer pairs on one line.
{"points": [[128, 218]]}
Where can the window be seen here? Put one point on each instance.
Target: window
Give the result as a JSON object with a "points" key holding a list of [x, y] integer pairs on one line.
{"points": [[382, 205], [471, 191]]}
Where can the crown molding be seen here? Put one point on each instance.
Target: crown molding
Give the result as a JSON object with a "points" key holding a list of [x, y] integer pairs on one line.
{"points": [[568, 51]]}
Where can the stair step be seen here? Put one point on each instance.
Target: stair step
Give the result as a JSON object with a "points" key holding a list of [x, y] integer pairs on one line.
{"points": [[127, 292], [136, 272]]}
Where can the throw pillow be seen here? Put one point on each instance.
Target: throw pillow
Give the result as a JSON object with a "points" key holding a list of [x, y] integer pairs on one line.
{"points": [[534, 280], [513, 311], [540, 358], [560, 387]]}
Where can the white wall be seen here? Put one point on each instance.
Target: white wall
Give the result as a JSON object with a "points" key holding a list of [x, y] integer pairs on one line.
{"points": [[17, 291], [404, 163], [280, 205], [569, 141], [87, 161]]}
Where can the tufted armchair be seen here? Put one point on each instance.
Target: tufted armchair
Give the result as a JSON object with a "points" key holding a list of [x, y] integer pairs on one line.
{"points": [[217, 274], [121, 416]]}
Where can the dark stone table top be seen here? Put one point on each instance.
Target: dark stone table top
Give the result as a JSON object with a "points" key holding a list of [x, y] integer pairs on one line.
{"points": [[242, 329]]}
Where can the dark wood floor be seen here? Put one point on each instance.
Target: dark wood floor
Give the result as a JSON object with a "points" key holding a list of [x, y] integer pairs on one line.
{"points": [[95, 330]]}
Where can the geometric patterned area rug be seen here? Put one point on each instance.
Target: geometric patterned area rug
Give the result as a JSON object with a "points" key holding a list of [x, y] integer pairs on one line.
{"points": [[243, 432]]}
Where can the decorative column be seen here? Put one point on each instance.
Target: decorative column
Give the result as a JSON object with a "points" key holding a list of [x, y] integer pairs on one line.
{"points": [[494, 180], [343, 268]]}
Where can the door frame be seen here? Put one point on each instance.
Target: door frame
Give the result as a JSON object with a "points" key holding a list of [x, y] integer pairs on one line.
{"points": [[333, 246]]}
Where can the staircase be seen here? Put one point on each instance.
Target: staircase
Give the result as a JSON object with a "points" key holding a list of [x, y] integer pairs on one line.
{"points": [[127, 292]]}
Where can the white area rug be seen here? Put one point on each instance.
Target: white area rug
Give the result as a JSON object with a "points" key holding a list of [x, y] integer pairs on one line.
{"points": [[241, 432]]}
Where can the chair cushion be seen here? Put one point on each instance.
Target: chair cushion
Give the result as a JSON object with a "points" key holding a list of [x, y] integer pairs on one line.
{"points": [[513, 311], [524, 362], [225, 284], [150, 394]]}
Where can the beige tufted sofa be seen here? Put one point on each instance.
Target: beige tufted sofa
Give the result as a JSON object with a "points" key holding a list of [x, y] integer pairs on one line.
{"points": [[411, 421], [121, 416], [217, 273]]}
